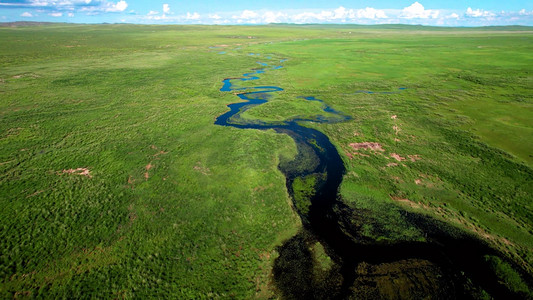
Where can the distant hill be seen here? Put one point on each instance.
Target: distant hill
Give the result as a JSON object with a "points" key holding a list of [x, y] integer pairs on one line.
{"points": [[340, 26], [26, 24], [410, 27]]}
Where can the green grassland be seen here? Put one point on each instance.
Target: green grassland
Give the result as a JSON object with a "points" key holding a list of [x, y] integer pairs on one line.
{"points": [[166, 204]]}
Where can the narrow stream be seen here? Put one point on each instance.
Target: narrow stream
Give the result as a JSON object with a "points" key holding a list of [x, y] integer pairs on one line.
{"points": [[449, 265]]}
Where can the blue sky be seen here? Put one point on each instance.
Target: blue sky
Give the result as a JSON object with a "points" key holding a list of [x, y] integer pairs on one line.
{"points": [[440, 12]]}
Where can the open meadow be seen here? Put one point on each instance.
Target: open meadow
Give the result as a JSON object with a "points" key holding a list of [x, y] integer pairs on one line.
{"points": [[116, 182]]}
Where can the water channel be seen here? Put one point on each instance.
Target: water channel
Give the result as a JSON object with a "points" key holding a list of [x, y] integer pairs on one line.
{"points": [[450, 264]]}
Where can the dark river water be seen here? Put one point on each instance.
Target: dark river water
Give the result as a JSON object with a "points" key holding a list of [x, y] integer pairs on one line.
{"points": [[450, 264]]}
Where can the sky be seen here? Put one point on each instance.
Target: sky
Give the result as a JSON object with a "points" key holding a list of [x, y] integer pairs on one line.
{"points": [[435, 12]]}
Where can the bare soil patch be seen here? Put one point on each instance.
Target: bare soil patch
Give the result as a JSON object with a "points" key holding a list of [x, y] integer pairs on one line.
{"points": [[198, 167], [414, 158], [78, 171], [397, 157], [406, 201], [367, 145], [396, 129]]}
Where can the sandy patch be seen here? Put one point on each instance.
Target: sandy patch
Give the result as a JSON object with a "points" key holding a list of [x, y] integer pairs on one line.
{"points": [[361, 154], [418, 181], [397, 157], [264, 255], [406, 202], [393, 117], [367, 145], [396, 129], [147, 168], [198, 167], [160, 153], [31, 75], [414, 158], [79, 171], [392, 165], [397, 179]]}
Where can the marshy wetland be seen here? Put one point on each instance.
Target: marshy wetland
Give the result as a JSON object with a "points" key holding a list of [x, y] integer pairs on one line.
{"points": [[353, 162]]}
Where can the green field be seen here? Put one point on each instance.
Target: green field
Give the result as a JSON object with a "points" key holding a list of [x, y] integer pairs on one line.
{"points": [[114, 181]]}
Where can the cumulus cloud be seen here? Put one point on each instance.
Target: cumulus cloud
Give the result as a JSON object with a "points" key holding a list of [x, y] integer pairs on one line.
{"points": [[452, 16], [523, 12], [340, 14], [193, 17], [56, 14], [246, 15], [117, 7], [478, 13], [417, 11], [273, 17], [67, 5], [371, 13]]}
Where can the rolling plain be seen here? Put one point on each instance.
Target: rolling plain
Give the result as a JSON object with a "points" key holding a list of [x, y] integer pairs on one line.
{"points": [[116, 182]]}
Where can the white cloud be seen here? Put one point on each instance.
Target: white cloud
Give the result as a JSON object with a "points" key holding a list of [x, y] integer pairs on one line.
{"points": [[371, 13], [246, 15], [417, 11], [453, 16], [478, 13], [523, 12], [118, 7], [339, 14], [273, 17], [194, 16]]}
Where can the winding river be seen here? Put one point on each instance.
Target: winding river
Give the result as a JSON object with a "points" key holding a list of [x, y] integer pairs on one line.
{"points": [[448, 265]]}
